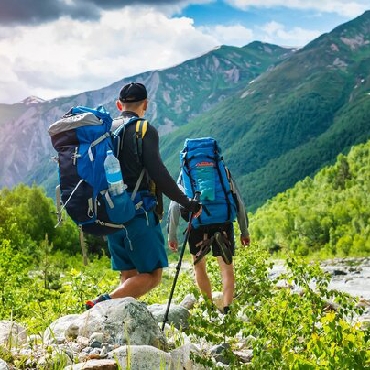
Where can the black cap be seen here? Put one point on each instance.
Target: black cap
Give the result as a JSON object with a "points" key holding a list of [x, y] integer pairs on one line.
{"points": [[132, 92]]}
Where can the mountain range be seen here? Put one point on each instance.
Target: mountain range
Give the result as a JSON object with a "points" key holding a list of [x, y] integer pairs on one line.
{"points": [[279, 114]]}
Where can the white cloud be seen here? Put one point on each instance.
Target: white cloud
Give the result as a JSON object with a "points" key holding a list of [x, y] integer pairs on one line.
{"points": [[340, 7], [67, 56], [274, 32], [230, 35]]}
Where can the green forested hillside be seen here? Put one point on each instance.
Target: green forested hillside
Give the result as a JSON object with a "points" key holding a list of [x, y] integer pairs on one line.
{"points": [[327, 215], [197, 85], [293, 120]]}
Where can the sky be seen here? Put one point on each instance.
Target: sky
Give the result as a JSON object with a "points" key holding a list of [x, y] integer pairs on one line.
{"points": [[54, 48]]}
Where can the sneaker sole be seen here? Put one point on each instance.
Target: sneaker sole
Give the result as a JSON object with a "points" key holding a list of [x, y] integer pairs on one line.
{"points": [[225, 251], [202, 253]]}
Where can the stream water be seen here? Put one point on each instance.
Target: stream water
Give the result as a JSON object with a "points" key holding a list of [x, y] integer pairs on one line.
{"points": [[350, 275]]}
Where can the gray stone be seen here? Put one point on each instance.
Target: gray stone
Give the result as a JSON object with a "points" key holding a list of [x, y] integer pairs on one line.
{"points": [[181, 357], [142, 358], [177, 315], [245, 356], [219, 352], [12, 334], [95, 364], [122, 321], [3, 365], [188, 302], [56, 332], [218, 300], [97, 337]]}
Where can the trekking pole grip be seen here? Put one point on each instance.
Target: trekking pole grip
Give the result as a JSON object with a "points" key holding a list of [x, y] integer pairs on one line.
{"points": [[196, 198]]}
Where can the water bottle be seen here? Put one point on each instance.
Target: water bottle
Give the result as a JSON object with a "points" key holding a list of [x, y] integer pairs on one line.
{"points": [[113, 173]]}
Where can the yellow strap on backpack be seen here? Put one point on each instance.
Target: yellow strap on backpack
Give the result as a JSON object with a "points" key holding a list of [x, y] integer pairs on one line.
{"points": [[143, 126]]}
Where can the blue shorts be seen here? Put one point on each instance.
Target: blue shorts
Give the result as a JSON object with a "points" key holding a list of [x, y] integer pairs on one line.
{"points": [[139, 246]]}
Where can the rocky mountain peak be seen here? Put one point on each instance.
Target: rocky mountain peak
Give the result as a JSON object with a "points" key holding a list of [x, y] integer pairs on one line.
{"points": [[32, 100]]}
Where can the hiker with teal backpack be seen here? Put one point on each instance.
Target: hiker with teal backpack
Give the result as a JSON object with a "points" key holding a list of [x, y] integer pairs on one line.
{"points": [[203, 170], [138, 249]]}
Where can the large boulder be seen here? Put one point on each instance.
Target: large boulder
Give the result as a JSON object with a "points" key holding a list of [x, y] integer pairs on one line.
{"points": [[121, 321]]}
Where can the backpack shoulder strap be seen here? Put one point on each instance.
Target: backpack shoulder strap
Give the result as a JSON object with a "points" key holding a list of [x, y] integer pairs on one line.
{"points": [[141, 130], [230, 179], [232, 188]]}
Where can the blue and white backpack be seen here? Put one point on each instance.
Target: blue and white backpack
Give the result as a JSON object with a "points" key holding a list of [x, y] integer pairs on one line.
{"points": [[203, 170], [81, 138]]}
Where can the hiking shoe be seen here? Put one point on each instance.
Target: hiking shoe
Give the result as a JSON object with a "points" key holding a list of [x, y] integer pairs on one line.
{"points": [[226, 254], [204, 249], [91, 304], [226, 310]]}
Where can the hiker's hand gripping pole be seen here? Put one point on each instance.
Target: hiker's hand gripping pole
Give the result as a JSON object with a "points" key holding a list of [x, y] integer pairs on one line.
{"points": [[178, 267]]}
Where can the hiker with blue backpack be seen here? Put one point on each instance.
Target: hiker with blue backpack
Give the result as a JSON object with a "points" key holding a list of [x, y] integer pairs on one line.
{"points": [[203, 171], [138, 250]]}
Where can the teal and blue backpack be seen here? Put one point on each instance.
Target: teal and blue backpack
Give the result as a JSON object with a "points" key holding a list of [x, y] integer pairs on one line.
{"points": [[81, 138], [203, 170]]}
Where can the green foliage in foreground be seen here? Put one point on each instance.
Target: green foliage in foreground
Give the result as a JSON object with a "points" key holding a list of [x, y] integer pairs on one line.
{"points": [[286, 328], [37, 292], [291, 327], [327, 215]]}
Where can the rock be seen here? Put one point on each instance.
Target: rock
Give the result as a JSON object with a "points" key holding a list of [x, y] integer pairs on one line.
{"points": [[365, 322], [363, 303], [83, 341], [188, 302], [181, 357], [177, 315], [3, 365], [142, 358], [97, 338], [95, 365], [56, 332], [12, 334], [219, 352], [218, 300], [122, 321], [245, 356], [338, 272]]}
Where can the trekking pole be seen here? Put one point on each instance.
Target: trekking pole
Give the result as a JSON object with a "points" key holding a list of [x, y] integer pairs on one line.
{"points": [[178, 267]]}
